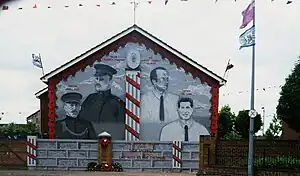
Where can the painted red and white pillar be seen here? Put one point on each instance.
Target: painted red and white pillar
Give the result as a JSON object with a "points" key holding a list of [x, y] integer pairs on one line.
{"points": [[176, 154], [31, 151], [133, 99]]}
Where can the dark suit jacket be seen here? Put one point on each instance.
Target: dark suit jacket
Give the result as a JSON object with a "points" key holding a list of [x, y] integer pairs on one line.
{"points": [[103, 107], [74, 128]]}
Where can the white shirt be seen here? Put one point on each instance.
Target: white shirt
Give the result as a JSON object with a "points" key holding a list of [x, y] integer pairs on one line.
{"points": [[174, 131], [150, 105]]}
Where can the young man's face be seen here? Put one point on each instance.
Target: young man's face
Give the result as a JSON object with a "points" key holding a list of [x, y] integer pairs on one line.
{"points": [[185, 110], [162, 81], [72, 109]]}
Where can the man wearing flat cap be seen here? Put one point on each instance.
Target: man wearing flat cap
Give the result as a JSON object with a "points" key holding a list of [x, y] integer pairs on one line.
{"points": [[102, 106], [72, 127]]}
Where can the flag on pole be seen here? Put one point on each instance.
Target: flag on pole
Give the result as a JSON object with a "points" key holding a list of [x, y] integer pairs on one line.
{"points": [[247, 38], [229, 66], [248, 15], [37, 61]]}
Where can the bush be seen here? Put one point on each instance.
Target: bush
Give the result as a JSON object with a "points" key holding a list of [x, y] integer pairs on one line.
{"points": [[116, 167], [200, 173], [278, 162], [91, 166]]}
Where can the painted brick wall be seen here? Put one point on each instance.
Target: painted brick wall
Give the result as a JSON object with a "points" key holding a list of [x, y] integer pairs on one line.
{"points": [[66, 154], [133, 156]]}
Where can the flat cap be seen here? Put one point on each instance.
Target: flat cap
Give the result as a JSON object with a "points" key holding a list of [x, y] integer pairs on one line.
{"points": [[71, 97]]}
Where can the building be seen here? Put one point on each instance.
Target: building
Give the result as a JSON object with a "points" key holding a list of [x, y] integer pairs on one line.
{"points": [[36, 119], [134, 86], [288, 133]]}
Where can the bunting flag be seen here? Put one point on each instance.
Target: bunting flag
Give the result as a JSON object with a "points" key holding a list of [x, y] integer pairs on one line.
{"points": [[37, 61], [247, 38], [4, 7], [264, 89], [248, 14]]}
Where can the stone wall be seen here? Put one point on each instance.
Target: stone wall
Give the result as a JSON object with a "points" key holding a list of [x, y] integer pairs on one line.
{"points": [[66, 154], [154, 156], [133, 156]]}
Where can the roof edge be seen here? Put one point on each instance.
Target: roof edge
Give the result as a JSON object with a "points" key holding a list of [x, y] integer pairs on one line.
{"points": [[123, 33], [40, 92]]}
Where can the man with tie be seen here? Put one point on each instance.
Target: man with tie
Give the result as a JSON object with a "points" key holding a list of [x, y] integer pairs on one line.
{"points": [[158, 105], [185, 128]]}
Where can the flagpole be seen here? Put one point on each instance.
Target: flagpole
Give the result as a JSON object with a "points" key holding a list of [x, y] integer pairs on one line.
{"points": [[42, 64], [134, 11], [251, 128], [226, 68]]}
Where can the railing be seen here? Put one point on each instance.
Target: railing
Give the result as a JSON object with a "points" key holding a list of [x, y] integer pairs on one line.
{"points": [[268, 154]]}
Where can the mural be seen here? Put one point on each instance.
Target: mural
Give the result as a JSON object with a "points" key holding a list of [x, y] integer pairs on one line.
{"points": [[174, 105]]}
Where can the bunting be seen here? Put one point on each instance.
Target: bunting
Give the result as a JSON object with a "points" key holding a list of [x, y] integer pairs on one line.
{"points": [[247, 13], [264, 89]]}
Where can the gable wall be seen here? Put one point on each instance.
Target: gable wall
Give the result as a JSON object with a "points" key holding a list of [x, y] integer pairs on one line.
{"points": [[182, 76]]}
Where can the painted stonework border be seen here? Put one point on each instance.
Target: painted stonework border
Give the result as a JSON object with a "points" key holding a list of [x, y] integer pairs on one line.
{"points": [[136, 38]]}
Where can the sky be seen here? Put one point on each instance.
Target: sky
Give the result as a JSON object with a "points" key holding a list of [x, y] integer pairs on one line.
{"points": [[206, 31]]}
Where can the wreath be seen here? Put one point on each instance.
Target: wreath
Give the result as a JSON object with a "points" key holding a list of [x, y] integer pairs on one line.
{"points": [[104, 142]]}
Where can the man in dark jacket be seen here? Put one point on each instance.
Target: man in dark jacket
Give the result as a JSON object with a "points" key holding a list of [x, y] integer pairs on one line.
{"points": [[71, 127], [103, 106]]}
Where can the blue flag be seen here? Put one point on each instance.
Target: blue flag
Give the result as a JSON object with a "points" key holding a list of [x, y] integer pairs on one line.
{"points": [[247, 38]]}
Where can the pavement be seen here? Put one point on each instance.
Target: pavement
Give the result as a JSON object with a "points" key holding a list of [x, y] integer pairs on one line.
{"points": [[77, 173]]}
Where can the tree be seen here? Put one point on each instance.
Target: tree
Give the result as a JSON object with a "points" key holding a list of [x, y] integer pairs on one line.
{"points": [[275, 128], [226, 118], [289, 101], [242, 122], [18, 129]]}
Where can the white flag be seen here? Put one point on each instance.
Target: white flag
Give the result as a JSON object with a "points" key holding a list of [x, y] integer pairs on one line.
{"points": [[37, 60], [247, 38]]}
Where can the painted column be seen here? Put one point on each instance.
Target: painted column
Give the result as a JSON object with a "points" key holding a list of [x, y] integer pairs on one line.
{"points": [[133, 98], [31, 151], [176, 154]]}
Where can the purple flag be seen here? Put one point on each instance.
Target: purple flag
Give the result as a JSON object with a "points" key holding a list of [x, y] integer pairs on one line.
{"points": [[248, 15]]}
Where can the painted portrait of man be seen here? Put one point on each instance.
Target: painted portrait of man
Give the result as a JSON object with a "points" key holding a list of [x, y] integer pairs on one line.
{"points": [[159, 105], [185, 128], [70, 126], [102, 106]]}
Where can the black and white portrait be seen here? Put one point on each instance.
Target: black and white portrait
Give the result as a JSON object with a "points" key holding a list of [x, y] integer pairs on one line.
{"points": [[185, 128], [70, 126], [158, 103], [102, 86]]}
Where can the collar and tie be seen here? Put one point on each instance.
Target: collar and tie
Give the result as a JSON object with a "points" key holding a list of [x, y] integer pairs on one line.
{"points": [[186, 133], [161, 109]]}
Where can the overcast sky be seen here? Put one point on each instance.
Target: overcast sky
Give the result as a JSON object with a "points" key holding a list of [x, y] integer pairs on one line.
{"points": [[206, 31]]}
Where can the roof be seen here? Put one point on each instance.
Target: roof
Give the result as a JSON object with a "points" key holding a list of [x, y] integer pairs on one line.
{"points": [[41, 92], [31, 115], [133, 28]]}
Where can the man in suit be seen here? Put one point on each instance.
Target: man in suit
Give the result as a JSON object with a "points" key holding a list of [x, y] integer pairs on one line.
{"points": [[102, 106], [71, 127], [159, 105], [185, 128]]}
